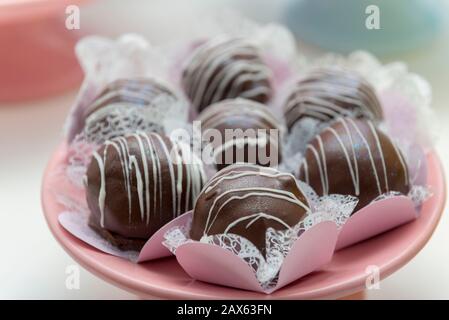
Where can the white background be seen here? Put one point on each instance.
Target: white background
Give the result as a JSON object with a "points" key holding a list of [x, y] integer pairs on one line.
{"points": [[33, 265]]}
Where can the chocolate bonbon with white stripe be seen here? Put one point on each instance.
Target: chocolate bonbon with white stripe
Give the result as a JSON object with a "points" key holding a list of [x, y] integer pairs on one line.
{"points": [[246, 200], [247, 132], [137, 183], [328, 93], [224, 68], [353, 157], [130, 101]]}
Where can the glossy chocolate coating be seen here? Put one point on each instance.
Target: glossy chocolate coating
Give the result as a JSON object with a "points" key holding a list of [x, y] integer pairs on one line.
{"points": [[224, 68], [120, 100], [352, 157], [246, 200], [134, 187], [326, 94], [248, 132]]}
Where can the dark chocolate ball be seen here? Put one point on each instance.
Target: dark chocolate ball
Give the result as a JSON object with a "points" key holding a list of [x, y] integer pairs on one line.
{"points": [[137, 183], [124, 106], [352, 157], [224, 68], [246, 200], [246, 131], [328, 93]]}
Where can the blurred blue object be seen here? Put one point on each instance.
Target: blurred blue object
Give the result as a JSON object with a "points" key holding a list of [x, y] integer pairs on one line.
{"points": [[341, 25]]}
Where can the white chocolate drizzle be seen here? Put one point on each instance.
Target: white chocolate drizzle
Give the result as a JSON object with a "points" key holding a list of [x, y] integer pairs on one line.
{"points": [[139, 91], [237, 194], [351, 157], [145, 165], [124, 106], [329, 94], [258, 117], [219, 68]]}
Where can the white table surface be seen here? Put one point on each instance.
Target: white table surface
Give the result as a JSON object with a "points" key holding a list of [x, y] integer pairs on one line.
{"points": [[33, 265]]}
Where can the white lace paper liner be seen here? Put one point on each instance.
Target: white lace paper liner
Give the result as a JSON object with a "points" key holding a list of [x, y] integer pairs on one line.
{"points": [[103, 61], [163, 114], [417, 194], [336, 208]]}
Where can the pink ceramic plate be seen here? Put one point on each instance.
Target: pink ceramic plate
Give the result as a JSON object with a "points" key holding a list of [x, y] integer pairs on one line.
{"points": [[343, 276]]}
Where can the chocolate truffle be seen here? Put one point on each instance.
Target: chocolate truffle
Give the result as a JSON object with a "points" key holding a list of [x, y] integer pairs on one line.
{"points": [[325, 94], [352, 157], [224, 68], [137, 183], [245, 131], [124, 106], [246, 200]]}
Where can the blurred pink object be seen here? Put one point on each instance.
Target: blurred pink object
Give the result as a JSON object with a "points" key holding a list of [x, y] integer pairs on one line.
{"points": [[37, 57], [164, 278]]}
